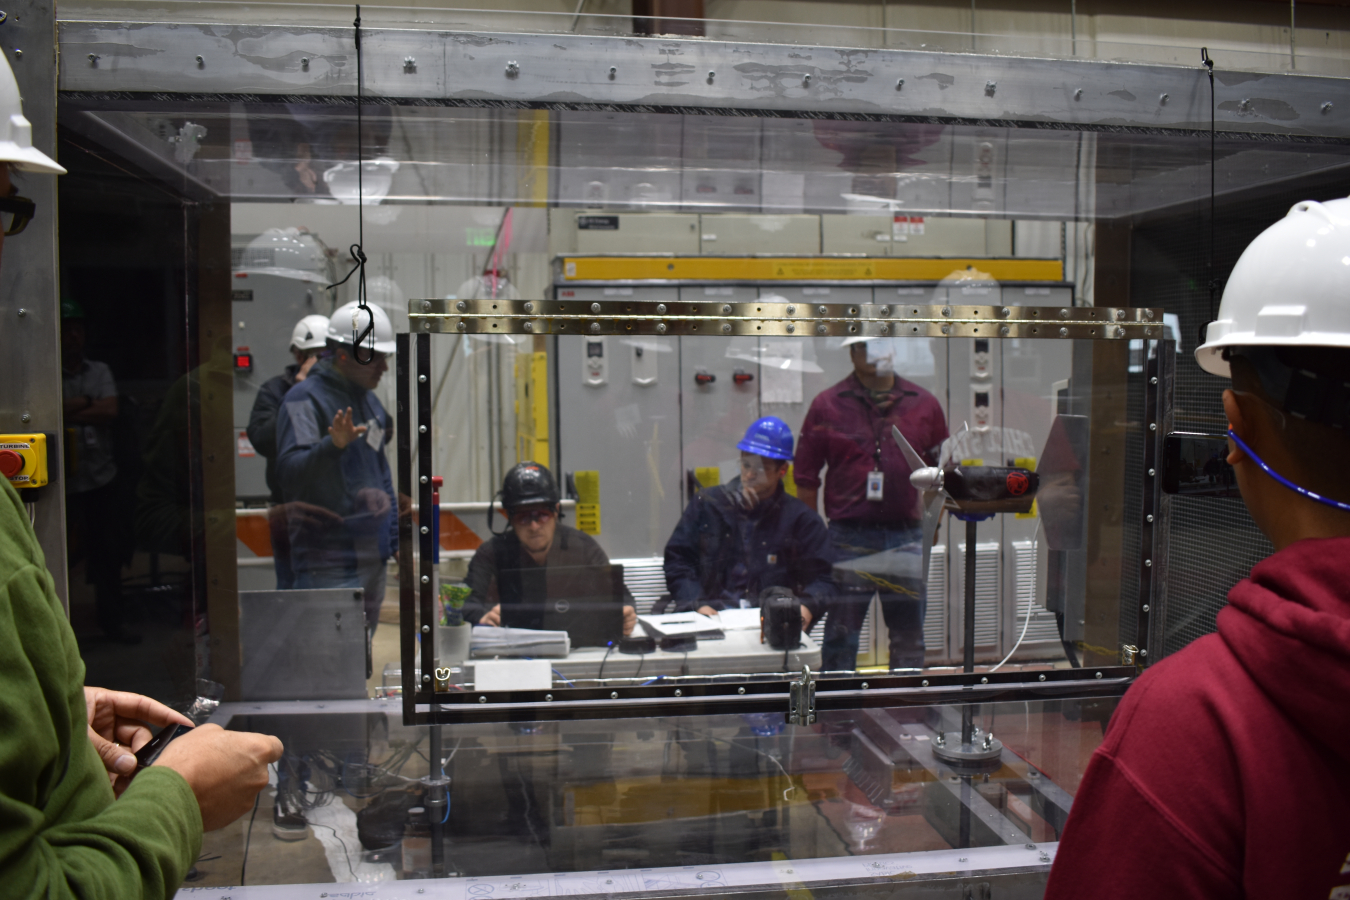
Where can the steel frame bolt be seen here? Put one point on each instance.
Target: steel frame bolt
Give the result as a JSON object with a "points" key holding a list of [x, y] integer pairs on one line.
{"points": [[1326, 107], [822, 328], [409, 62], [1143, 652], [422, 429], [460, 326], [726, 309], [1099, 674], [711, 75], [93, 60], [426, 530], [660, 309], [1162, 99], [791, 310], [1042, 678], [461, 306], [806, 80], [1148, 563], [726, 328], [1078, 94], [595, 307], [22, 312], [613, 71], [899, 83], [426, 579], [200, 62], [791, 328], [426, 679], [25, 418], [823, 310], [1149, 517], [512, 68], [1004, 330], [1063, 332], [660, 327], [990, 87], [304, 62], [424, 479], [595, 328], [740, 690], [426, 629]]}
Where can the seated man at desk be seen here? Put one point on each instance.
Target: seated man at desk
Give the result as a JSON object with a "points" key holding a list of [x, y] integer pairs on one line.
{"points": [[535, 540], [737, 539]]}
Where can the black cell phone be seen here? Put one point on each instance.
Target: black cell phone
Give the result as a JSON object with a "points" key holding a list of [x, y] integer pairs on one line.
{"points": [[1196, 465], [147, 755]]}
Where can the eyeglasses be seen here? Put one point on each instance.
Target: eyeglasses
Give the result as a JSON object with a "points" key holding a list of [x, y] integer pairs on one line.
{"points": [[531, 516], [19, 211]]}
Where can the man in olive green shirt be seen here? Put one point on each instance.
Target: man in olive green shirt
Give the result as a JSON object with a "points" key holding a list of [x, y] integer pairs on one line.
{"points": [[66, 750]]}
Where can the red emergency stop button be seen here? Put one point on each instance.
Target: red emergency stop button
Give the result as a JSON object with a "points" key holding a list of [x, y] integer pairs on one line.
{"points": [[11, 463]]}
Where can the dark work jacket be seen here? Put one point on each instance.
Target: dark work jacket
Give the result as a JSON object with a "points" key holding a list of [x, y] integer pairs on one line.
{"points": [[722, 552], [262, 423], [311, 469], [501, 571]]}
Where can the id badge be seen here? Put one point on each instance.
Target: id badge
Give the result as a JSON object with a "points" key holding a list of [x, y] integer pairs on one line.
{"points": [[875, 483]]}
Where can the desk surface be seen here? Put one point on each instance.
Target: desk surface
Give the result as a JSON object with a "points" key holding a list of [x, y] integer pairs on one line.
{"points": [[740, 652]]}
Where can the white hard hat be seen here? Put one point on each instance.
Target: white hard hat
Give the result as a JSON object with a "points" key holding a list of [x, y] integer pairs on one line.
{"points": [[16, 132], [287, 253], [348, 321], [310, 333], [1289, 287]]}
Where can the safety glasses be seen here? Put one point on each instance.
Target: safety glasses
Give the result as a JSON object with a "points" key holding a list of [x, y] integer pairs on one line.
{"points": [[531, 516], [16, 213]]}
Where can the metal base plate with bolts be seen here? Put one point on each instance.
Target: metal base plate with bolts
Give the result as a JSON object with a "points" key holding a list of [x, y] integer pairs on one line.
{"points": [[983, 752]]}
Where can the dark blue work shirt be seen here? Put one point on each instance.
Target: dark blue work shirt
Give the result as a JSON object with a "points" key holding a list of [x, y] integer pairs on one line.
{"points": [[353, 482], [723, 551]]}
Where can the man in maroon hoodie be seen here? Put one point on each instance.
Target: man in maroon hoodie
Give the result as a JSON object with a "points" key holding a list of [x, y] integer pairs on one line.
{"points": [[1225, 771]]}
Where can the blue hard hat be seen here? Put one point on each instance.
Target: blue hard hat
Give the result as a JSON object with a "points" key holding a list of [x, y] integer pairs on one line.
{"points": [[769, 437]]}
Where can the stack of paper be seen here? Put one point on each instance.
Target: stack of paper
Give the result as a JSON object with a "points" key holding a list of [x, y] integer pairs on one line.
{"points": [[685, 624], [490, 641]]}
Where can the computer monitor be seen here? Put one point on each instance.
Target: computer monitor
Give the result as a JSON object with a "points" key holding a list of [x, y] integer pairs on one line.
{"points": [[584, 601]]}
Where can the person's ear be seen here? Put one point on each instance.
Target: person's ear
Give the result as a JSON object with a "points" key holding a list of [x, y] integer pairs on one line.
{"points": [[1239, 422]]}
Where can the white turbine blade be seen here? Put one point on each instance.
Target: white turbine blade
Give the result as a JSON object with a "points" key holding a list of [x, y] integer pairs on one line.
{"points": [[915, 461]]}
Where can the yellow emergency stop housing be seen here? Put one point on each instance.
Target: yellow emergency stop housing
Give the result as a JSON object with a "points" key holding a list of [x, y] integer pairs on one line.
{"points": [[32, 450]]}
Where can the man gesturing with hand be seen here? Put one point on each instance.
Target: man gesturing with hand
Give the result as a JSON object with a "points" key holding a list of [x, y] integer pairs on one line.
{"points": [[331, 437]]}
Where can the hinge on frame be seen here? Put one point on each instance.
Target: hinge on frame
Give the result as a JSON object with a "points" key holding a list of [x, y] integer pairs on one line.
{"points": [[802, 700]]}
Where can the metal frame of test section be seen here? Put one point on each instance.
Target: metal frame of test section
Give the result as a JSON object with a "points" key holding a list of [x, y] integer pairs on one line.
{"points": [[430, 702]]}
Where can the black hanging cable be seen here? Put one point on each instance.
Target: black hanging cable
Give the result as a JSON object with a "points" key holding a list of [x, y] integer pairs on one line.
{"points": [[1213, 282], [357, 250]]}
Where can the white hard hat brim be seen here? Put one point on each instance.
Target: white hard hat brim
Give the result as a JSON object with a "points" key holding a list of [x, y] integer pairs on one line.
{"points": [[279, 272], [29, 159], [1210, 354]]}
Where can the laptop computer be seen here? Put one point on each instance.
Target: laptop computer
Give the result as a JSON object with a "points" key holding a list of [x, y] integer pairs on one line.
{"points": [[584, 601]]}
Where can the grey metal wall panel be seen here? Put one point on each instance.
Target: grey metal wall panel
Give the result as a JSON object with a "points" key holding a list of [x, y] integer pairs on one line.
{"points": [[696, 74]]}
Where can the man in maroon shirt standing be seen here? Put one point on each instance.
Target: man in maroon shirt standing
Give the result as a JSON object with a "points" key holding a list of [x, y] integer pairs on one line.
{"points": [[869, 502], [1225, 771]]}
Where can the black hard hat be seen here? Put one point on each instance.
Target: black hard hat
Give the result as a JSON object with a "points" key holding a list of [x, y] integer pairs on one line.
{"points": [[527, 484]]}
